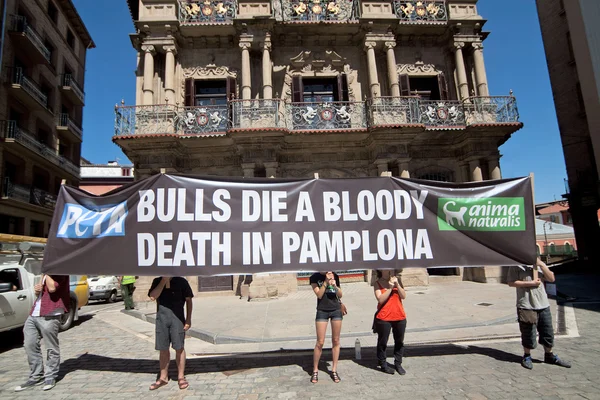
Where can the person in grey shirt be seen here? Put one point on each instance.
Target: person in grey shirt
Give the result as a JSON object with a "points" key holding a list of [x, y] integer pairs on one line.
{"points": [[533, 311]]}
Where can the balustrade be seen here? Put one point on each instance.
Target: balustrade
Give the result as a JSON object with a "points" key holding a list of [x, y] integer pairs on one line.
{"points": [[207, 11], [421, 11]]}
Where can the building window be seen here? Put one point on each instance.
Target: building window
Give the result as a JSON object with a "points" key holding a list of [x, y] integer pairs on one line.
{"points": [[553, 218], [426, 87], [439, 176], [70, 39], [209, 92], [319, 90], [43, 137], [126, 171], [50, 48], [52, 12], [46, 91]]}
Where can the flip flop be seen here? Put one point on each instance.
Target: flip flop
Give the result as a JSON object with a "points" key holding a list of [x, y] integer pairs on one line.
{"points": [[158, 384], [183, 383]]}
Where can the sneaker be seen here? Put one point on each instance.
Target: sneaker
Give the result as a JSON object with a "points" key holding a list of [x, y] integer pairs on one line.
{"points": [[400, 370], [49, 384], [30, 383], [553, 359], [384, 367], [527, 362]]}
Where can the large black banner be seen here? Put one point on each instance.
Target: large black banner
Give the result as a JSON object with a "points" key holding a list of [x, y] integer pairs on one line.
{"points": [[186, 225]]}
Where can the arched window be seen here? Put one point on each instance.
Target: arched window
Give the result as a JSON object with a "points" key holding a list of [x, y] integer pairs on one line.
{"points": [[552, 248], [568, 248]]}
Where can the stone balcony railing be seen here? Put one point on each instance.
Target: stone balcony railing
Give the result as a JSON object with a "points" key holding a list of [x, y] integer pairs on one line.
{"points": [[276, 114], [194, 12], [10, 130]]}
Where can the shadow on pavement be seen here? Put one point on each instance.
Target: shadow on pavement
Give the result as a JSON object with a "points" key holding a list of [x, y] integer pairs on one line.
{"points": [[11, 340], [237, 363]]}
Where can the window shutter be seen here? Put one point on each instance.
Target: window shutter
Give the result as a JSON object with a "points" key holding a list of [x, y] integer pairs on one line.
{"points": [[297, 89], [443, 86], [342, 81], [404, 85], [231, 85], [189, 92]]}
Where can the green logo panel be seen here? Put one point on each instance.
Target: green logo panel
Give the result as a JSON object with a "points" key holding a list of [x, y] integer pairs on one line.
{"points": [[495, 214]]}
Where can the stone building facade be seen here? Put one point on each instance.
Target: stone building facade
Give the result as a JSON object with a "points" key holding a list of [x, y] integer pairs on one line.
{"points": [[41, 106], [290, 88], [571, 35]]}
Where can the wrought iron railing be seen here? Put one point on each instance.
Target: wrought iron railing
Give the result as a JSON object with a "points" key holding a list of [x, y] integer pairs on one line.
{"points": [[326, 116], [421, 11], [441, 113], [69, 81], [257, 113], [207, 11], [16, 191], [18, 78], [42, 198], [318, 10], [275, 113], [491, 109], [560, 250], [393, 111], [18, 23], [10, 130], [63, 120]]}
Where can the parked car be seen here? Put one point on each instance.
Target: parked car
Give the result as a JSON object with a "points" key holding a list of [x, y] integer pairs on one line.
{"points": [[20, 268], [105, 288]]}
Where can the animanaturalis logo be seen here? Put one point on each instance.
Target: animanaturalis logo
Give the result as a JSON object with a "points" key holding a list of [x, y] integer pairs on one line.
{"points": [[483, 214]]}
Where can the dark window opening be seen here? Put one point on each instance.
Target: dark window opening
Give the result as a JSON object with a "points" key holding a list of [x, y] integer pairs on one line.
{"points": [[426, 88], [52, 12], [210, 93], [10, 172], [44, 137], [260, 172], [126, 171], [62, 149], [319, 90], [436, 176], [46, 91], [70, 39], [41, 181], [36, 228]]}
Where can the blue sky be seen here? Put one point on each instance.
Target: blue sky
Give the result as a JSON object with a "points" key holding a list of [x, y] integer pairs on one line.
{"points": [[514, 57]]}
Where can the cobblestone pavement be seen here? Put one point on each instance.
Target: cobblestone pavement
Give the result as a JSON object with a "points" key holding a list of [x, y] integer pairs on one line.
{"points": [[104, 361]]}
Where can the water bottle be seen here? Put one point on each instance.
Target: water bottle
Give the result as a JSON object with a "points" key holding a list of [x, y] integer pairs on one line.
{"points": [[357, 349]]}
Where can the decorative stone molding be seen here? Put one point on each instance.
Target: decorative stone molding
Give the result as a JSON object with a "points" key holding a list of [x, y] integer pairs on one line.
{"points": [[370, 45], [209, 71], [148, 48], [326, 71], [245, 45], [170, 48], [313, 61], [418, 69], [477, 46], [458, 45], [389, 45]]}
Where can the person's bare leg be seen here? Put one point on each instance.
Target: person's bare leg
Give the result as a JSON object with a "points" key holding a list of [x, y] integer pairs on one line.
{"points": [[321, 327], [180, 360], [164, 359], [336, 329]]}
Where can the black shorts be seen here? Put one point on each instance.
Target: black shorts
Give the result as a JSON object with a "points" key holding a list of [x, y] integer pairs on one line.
{"points": [[327, 315], [169, 330]]}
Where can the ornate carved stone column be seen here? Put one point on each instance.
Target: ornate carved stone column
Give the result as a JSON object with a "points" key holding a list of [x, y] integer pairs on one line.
{"points": [[267, 69], [494, 168], [170, 52], [271, 169], [248, 169], [404, 172], [476, 175], [461, 73], [392, 71], [382, 166], [148, 73], [372, 67], [480, 76], [246, 78]]}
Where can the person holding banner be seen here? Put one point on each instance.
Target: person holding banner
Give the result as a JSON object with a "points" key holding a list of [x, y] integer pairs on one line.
{"points": [[171, 293], [390, 316], [326, 286], [533, 311]]}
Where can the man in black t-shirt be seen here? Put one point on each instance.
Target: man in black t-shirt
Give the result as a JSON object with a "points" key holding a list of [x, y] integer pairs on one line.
{"points": [[170, 295]]}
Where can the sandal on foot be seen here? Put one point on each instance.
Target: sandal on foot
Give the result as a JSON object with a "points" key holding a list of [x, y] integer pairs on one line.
{"points": [[183, 383], [159, 383], [315, 377], [336, 378]]}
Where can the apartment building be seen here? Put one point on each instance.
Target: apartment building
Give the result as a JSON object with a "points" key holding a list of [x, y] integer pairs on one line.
{"points": [[571, 36], [41, 106], [290, 88]]}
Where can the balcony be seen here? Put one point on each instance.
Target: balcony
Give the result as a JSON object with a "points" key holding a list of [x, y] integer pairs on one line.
{"points": [[207, 11], [28, 40], [421, 11], [407, 112], [28, 194], [318, 10], [71, 90], [26, 90], [561, 250], [337, 115], [67, 126], [10, 132]]}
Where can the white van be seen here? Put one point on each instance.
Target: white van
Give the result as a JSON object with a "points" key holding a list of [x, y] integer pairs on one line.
{"points": [[104, 287]]}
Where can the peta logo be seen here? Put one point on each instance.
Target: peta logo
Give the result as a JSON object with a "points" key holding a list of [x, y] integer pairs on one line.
{"points": [[483, 214], [78, 222]]}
